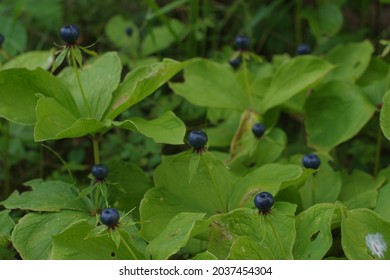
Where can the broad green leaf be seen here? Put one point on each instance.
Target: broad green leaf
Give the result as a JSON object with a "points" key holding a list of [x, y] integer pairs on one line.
{"points": [[247, 248], [207, 83], [54, 121], [270, 177], [7, 224], [31, 60], [161, 37], [292, 77], [322, 186], [335, 113], [359, 190], [314, 235], [174, 236], [274, 233], [32, 236], [140, 83], [71, 244], [382, 206], [325, 20], [116, 32], [99, 80], [365, 236], [19, 90], [127, 185], [46, 196], [208, 191], [205, 256], [385, 115], [351, 60], [167, 128]]}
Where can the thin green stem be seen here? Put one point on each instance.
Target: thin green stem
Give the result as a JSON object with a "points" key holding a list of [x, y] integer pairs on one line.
{"points": [[128, 247], [61, 159], [298, 22], [378, 150], [313, 188], [96, 152], [246, 79], [83, 95]]}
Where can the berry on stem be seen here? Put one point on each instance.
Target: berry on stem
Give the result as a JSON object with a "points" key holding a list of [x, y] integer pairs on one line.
{"points": [[303, 49], [258, 129], [109, 217], [197, 139], [235, 62], [264, 201], [242, 42], [129, 31], [100, 171], [70, 33], [311, 161]]}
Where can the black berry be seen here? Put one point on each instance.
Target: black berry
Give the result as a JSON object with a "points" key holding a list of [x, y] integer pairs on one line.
{"points": [[303, 49], [129, 31], [264, 202], [2, 39], [311, 161], [100, 171], [197, 139], [109, 217], [242, 42], [235, 62], [70, 33], [258, 129]]}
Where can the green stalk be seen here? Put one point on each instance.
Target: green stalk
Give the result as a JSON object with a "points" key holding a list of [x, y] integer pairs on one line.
{"points": [[76, 69], [246, 79], [96, 153], [298, 22], [127, 246], [378, 150]]}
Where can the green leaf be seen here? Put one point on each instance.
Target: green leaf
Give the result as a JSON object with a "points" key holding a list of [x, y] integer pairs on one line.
{"points": [[351, 60], [59, 59], [209, 84], [15, 33], [99, 80], [71, 244], [19, 89], [208, 191], [127, 185], [161, 37], [382, 206], [46, 196], [270, 177], [365, 236], [174, 236], [314, 235], [167, 128], [116, 32], [273, 233], [55, 121], [31, 60], [385, 115], [325, 21], [205, 256], [359, 190], [32, 236], [336, 113], [140, 83], [292, 77], [7, 225]]}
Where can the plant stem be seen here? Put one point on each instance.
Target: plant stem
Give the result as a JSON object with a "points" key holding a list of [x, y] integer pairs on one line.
{"points": [[76, 69], [96, 153], [298, 22], [378, 150], [128, 247]]}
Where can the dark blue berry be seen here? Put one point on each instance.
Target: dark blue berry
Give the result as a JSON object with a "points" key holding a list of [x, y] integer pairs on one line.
{"points": [[70, 33], [197, 139], [100, 171], [264, 202], [242, 42], [303, 49], [129, 31], [235, 62], [311, 161], [109, 217], [2, 39], [258, 129]]}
